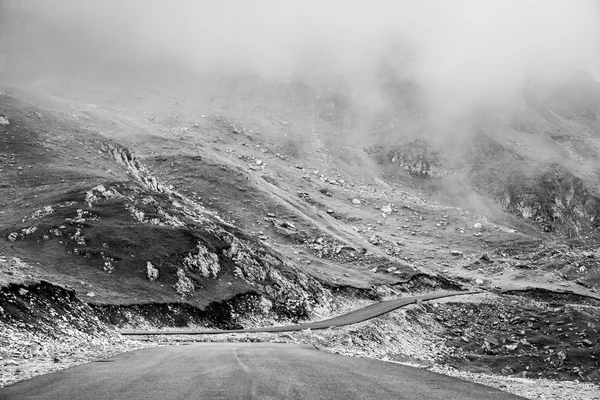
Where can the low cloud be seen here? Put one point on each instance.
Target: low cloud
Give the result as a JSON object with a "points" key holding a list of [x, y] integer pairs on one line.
{"points": [[461, 53]]}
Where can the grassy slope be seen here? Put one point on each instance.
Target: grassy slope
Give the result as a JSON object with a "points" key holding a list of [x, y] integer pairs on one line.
{"points": [[204, 137]]}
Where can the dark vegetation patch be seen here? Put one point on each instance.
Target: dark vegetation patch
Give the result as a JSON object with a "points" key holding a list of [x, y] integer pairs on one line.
{"points": [[217, 315], [106, 246]]}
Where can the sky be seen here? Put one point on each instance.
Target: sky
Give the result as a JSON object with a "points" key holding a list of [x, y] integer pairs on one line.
{"points": [[461, 52]]}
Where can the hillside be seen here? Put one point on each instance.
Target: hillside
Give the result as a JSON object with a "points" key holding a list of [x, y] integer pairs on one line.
{"points": [[165, 197]]}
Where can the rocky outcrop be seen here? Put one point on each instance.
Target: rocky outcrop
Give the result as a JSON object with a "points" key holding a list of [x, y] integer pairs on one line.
{"points": [[127, 158], [418, 157], [550, 196], [204, 262], [557, 201], [293, 293]]}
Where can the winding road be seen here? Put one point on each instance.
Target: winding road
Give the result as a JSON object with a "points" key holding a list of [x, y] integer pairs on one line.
{"points": [[363, 314], [252, 371], [245, 371]]}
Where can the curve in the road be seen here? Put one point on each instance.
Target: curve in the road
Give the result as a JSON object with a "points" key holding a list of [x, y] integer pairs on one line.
{"points": [[363, 314]]}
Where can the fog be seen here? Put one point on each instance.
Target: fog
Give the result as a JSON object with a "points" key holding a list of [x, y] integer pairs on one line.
{"points": [[462, 53]]}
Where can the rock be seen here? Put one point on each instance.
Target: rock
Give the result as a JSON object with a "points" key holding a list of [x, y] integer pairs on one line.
{"points": [[151, 272], [374, 240], [356, 201], [259, 162], [329, 211], [325, 191], [184, 286], [485, 258], [477, 225], [587, 342], [13, 236], [479, 281], [265, 305], [4, 121], [23, 291], [507, 371], [386, 209], [511, 347], [456, 253], [91, 294], [204, 261]]}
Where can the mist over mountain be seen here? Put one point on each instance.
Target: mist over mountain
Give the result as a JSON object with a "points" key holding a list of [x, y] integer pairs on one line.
{"points": [[462, 53]]}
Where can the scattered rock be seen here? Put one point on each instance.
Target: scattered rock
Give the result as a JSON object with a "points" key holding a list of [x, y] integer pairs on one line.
{"points": [[184, 286], [325, 191], [265, 305], [374, 240], [151, 272], [387, 209], [485, 258]]}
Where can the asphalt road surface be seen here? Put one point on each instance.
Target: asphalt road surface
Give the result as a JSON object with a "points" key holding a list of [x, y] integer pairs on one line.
{"points": [[363, 314], [245, 371]]}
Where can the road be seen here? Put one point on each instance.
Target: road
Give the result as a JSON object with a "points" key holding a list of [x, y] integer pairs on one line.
{"points": [[363, 314], [245, 371]]}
